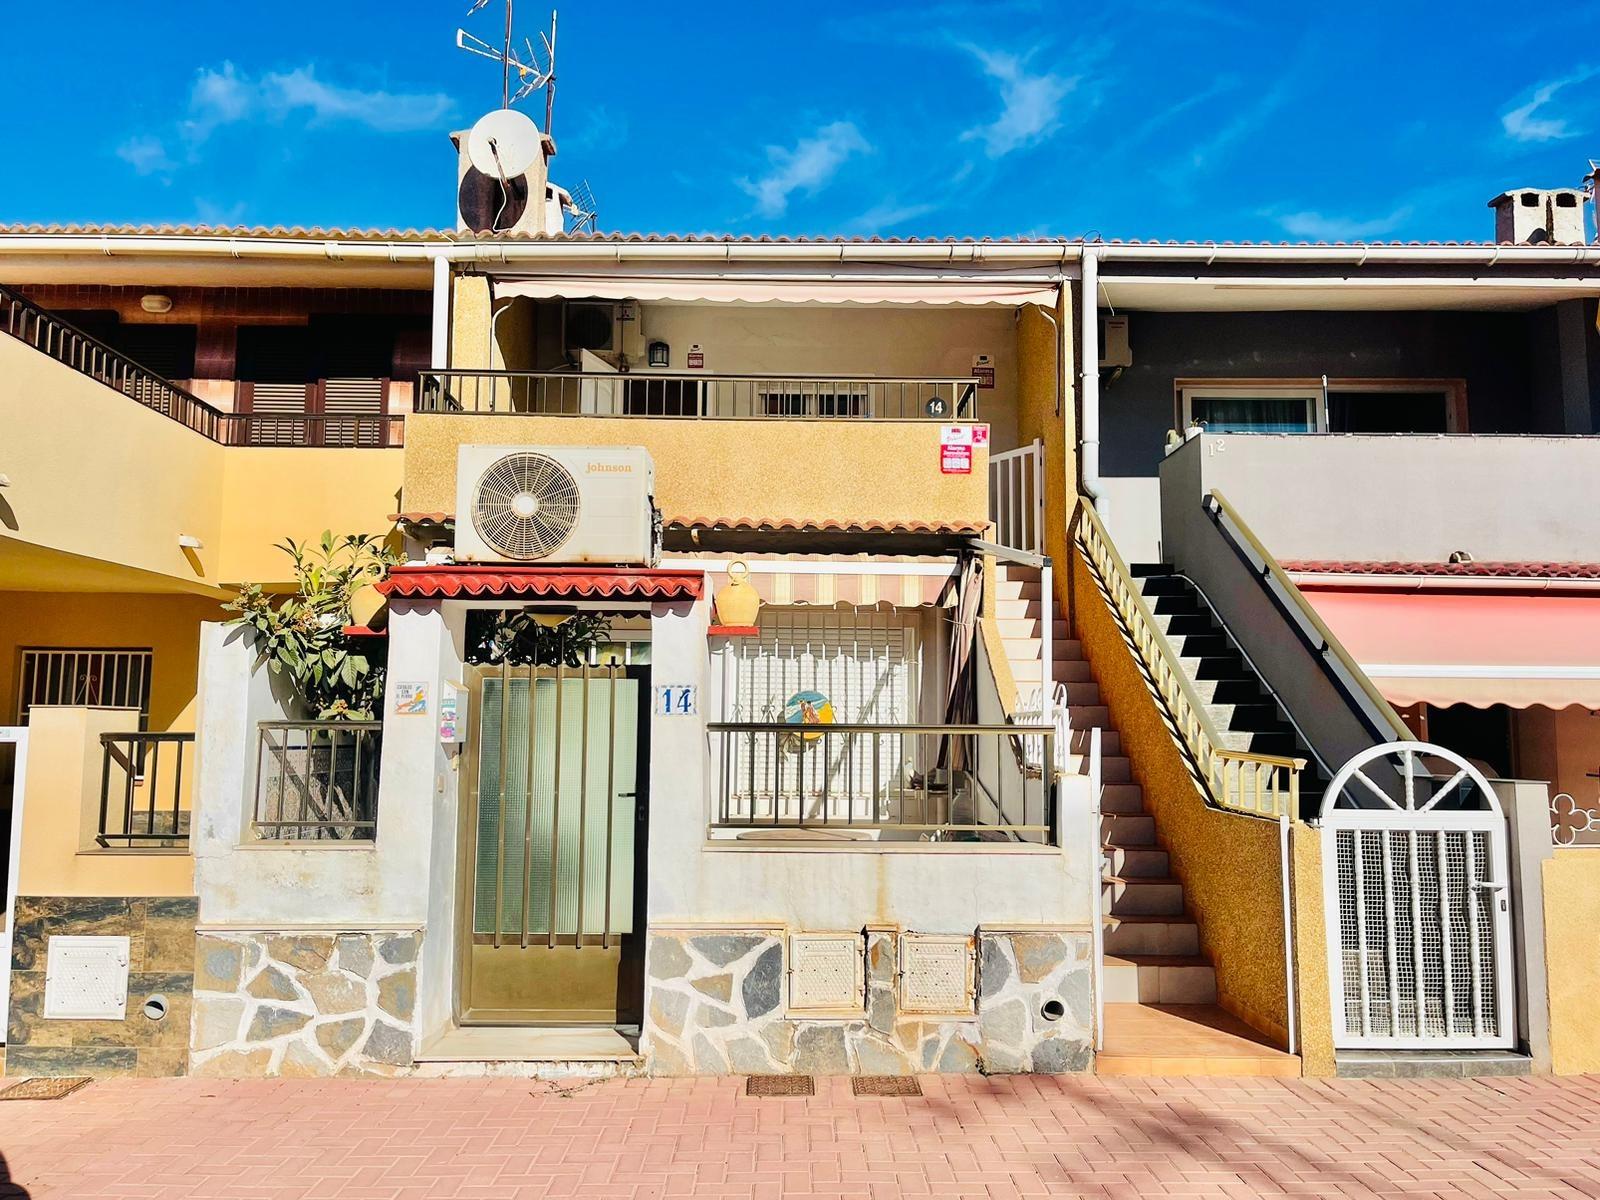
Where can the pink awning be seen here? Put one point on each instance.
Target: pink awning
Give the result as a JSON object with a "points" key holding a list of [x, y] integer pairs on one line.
{"points": [[1461, 647], [820, 290]]}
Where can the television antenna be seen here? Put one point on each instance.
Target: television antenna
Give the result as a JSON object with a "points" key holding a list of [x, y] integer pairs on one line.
{"points": [[585, 211], [535, 66]]}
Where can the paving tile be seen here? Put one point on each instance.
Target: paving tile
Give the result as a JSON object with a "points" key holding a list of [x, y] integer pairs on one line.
{"points": [[127, 1139]]}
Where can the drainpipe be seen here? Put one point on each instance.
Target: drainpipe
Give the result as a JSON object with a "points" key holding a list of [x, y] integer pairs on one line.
{"points": [[1089, 381], [440, 356]]}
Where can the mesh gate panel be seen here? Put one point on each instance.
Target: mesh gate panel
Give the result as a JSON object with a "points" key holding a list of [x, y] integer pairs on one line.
{"points": [[1416, 934]]}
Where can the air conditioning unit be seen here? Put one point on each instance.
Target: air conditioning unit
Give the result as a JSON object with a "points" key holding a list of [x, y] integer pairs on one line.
{"points": [[556, 504], [603, 328]]}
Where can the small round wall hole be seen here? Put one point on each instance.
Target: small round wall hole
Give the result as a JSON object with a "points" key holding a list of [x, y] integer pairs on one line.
{"points": [[1052, 1010], [155, 1007]]}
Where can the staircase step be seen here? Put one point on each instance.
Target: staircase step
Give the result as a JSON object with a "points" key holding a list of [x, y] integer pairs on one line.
{"points": [[1186, 1039], [1135, 862], [1159, 979], [1089, 716], [1110, 741], [1144, 897], [1127, 831], [1073, 670], [1113, 768], [1122, 799], [1136, 934]]}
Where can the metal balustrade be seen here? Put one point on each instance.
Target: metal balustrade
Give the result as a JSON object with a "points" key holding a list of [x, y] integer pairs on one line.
{"points": [[698, 394], [47, 333], [317, 780], [941, 783], [1261, 785], [144, 797]]}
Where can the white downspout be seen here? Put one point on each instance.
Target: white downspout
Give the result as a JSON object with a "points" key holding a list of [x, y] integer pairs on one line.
{"points": [[440, 354], [1089, 381]]}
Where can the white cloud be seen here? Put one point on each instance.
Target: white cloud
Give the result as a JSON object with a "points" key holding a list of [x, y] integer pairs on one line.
{"points": [[888, 215], [1031, 104], [1246, 121], [386, 112], [145, 154], [807, 168], [1315, 227], [1523, 124], [226, 96]]}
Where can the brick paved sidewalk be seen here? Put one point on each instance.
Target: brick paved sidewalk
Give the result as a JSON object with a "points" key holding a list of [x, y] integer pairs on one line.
{"points": [[1004, 1137]]}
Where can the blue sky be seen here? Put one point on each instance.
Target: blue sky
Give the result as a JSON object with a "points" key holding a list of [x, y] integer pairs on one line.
{"points": [[1146, 118]]}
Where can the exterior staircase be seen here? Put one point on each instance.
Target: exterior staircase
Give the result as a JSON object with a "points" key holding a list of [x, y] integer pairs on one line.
{"points": [[1245, 713], [1161, 1012]]}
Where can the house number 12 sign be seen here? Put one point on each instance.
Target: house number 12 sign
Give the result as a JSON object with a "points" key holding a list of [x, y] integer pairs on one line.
{"points": [[677, 700]]}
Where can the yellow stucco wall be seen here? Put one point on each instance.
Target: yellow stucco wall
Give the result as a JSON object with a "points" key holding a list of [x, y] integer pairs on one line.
{"points": [[167, 625], [1230, 865], [1572, 958], [800, 470], [1313, 1005], [270, 493], [469, 324], [61, 793], [97, 476], [1045, 411]]}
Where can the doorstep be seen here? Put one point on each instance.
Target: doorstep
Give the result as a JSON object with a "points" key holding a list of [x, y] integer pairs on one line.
{"points": [[508, 1044], [1412, 1064]]}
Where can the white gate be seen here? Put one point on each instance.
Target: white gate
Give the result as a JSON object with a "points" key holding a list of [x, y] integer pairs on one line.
{"points": [[1415, 878]]}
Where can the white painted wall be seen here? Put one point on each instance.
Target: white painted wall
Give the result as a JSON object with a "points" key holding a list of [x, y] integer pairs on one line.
{"points": [[936, 889], [245, 882]]}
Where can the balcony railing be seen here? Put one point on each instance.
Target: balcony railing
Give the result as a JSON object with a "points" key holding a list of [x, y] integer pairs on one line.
{"points": [[144, 801], [317, 780], [47, 333], [698, 394], [918, 783]]}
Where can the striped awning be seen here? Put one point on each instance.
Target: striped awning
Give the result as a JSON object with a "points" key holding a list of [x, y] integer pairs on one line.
{"points": [[778, 583]]}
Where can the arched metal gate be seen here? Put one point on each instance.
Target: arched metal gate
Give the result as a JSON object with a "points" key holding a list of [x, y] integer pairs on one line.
{"points": [[1416, 883]]}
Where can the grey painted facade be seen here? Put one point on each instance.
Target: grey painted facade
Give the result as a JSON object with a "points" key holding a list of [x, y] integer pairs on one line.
{"points": [[1525, 372]]}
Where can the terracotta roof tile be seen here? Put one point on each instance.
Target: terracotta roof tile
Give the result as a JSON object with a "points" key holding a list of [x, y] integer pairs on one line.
{"points": [[587, 583], [1465, 570], [763, 524], [352, 234], [803, 525]]}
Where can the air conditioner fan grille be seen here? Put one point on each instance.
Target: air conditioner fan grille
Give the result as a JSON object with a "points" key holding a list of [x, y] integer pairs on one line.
{"points": [[526, 506]]}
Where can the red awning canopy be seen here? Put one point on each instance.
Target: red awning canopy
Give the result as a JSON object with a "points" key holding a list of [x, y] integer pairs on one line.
{"points": [[1470, 647], [423, 582]]}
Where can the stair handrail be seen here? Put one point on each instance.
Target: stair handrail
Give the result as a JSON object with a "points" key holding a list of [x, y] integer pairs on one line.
{"points": [[1239, 781], [1262, 679], [1047, 710], [1380, 714]]}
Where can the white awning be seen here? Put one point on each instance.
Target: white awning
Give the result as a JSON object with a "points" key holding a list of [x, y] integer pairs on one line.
{"points": [[821, 290]]}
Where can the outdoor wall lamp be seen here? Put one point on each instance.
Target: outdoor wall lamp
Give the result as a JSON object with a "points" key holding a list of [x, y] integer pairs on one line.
{"points": [[660, 354], [189, 542], [154, 302]]}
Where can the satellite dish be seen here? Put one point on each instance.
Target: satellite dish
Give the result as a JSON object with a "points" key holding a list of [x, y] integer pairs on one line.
{"points": [[504, 144]]}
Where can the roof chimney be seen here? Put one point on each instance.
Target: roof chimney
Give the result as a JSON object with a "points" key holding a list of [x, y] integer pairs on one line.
{"points": [[1539, 216]]}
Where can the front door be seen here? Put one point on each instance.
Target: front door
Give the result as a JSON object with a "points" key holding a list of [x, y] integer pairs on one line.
{"points": [[553, 816]]}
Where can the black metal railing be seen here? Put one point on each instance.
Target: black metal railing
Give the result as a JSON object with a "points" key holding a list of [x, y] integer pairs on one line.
{"points": [[948, 783], [47, 333], [698, 394], [144, 791], [317, 780]]}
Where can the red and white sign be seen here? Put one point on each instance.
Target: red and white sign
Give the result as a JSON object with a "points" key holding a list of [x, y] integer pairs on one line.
{"points": [[955, 448], [983, 371], [697, 358]]}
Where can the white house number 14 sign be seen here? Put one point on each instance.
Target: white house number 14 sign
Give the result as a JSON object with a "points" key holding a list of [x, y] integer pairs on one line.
{"points": [[676, 700]]}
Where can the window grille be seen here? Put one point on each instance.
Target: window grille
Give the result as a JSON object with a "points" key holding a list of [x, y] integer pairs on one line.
{"points": [[109, 678]]}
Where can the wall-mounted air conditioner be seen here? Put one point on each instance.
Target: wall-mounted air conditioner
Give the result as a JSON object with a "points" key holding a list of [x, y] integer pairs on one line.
{"points": [[556, 504]]}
